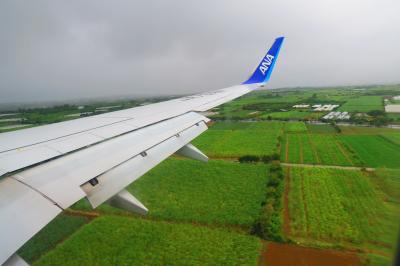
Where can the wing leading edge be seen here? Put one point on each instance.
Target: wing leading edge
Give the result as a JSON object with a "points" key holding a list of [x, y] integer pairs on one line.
{"points": [[46, 169]]}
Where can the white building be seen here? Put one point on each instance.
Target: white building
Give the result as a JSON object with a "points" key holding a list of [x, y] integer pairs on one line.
{"points": [[301, 106], [337, 116], [392, 108], [396, 97], [325, 107]]}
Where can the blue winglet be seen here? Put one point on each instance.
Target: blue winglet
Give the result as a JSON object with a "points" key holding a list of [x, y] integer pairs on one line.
{"points": [[264, 69]]}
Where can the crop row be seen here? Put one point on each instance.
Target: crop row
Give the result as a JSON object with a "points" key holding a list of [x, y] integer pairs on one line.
{"points": [[316, 149], [337, 205], [112, 240], [216, 192]]}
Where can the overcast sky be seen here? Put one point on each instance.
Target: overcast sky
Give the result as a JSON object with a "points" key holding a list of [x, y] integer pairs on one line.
{"points": [[60, 50]]}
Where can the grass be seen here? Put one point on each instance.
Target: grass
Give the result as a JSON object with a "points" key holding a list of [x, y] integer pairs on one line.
{"points": [[395, 117], [374, 151], [269, 126], [316, 149], [339, 206], [388, 182], [236, 139], [353, 130], [216, 192], [392, 137], [295, 127], [294, 114], [321, 129], [126, 241], [362, 104], [239, 139], [57, 230]]}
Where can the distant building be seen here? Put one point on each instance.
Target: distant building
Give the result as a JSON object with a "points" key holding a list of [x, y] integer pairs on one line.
{"points": [[11, 120], [337, 116], [79, 114], [301, 106], [73, 115], [396, 97], [106, 108], [9, 114], [325, 107], [392, 108]]}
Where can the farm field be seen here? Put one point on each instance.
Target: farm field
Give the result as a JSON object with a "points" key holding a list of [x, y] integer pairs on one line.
{"points": [[394, 116], [316, 149], [361, 130], [235, 139], [300, 115], [111, 240], [373, 151], [270, 125], [341, 207], [392, 137], [239, 139], [362, 104], [295, 127], [322, 129], [216, 192], [388, 182]]}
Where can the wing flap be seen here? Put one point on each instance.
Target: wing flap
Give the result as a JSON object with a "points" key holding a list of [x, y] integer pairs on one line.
{"points": [[116, 179], [68, 173], [23, 212]]}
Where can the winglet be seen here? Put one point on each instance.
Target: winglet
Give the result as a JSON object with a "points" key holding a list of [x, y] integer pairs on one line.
{"points": [[264, 69]]}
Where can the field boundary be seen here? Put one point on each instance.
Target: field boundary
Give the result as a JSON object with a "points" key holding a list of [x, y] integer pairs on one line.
{"points": [[342, 150], [286, 212], [314, 149], [329, 166]]}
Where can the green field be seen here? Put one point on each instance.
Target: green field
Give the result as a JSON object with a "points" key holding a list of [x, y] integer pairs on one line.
{"points": [[374, 151], [252, 126], [394, 117], [339, 206], [362, 130], [392, 137], [362, 104], [216, 192], [388, 182], [316, 149], [235, 139], [294, 114], [56, 231], [295, 127], [127, 241], [239, 139], [321, 129]]}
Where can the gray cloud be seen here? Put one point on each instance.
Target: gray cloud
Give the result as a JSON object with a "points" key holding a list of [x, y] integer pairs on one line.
{"points": [[55, 50]]}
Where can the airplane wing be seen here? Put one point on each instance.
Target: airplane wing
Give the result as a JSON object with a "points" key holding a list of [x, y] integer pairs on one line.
{"points": [[46, 169]]}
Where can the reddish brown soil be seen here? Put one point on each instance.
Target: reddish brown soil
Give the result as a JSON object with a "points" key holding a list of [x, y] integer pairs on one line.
{"points": [[283, 254], [286, 214]]}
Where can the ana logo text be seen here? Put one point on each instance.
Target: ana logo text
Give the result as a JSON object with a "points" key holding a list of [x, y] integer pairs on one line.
{"points": [[266, 63]]}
